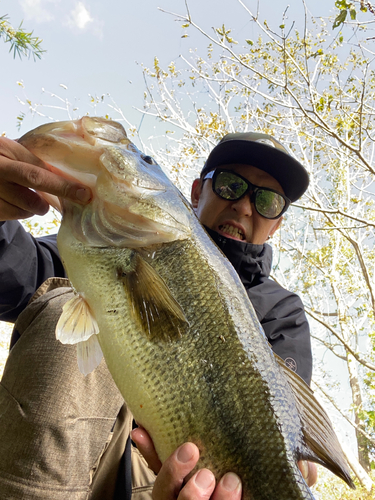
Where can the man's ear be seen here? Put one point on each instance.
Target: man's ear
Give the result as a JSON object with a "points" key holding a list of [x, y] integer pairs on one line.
{"points": [[275, 227], [196, 190]]}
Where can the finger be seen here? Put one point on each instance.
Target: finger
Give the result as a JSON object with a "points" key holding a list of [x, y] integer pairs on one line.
{"points": [[19, 166], [12, 150], [228, 488], [173, 472], [34, 177], [10, 212], [146, 447], [309, 472], [15, 197], [199, 487]]}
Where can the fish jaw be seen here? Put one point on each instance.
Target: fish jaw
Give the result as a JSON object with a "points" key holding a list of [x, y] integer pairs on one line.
{"points": [[68, 147], [133, 203]]}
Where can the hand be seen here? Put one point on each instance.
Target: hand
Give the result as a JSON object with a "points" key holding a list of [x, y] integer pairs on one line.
{"points": [[309, 472], [169, 484], [20, 172], [172, 473]]}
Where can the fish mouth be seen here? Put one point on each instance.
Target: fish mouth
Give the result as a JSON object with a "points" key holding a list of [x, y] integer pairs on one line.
{"points": [[231, 231], [133, 204]]}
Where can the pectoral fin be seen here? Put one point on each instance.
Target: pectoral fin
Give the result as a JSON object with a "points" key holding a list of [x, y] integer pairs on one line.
{"points": [[322, 445], [76, 323], [89, 355], [153, 305]]}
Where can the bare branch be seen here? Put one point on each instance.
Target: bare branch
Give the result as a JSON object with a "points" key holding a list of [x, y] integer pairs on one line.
{"points": [[333, 403], [360, 360], [329, 346], [335, 212]]}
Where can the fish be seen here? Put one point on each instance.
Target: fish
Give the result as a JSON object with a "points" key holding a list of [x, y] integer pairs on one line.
{"points": [[156, 297]]}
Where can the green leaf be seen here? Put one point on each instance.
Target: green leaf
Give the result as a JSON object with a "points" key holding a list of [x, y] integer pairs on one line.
{"points": [[340, 19], [353, 13], [342, 4], [249, 42], [20, 118], [21, 42]]}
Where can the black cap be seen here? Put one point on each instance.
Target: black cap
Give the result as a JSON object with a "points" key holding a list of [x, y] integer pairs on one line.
{"points": [[264, 152]]}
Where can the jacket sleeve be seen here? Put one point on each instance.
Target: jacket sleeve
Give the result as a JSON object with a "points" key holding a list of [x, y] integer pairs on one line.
{"points": [[285, 325], [25, 263]]}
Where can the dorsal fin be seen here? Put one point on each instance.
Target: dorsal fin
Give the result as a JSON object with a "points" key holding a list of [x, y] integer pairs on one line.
{"points": [[159, 314], [322, 445]]}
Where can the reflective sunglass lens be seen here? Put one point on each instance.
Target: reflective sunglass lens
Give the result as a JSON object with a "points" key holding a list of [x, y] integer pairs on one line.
{"points": [[229, 186], [269, 204]]}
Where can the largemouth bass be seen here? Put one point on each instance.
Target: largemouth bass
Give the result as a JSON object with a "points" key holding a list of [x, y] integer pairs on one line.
{"points": [[168, 311]]}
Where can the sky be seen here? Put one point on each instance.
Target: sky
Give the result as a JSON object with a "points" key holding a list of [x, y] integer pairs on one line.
{"points": [[95, 48]]}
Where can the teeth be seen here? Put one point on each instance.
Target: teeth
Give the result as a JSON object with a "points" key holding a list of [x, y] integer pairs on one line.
{"points": [[233, 231]]}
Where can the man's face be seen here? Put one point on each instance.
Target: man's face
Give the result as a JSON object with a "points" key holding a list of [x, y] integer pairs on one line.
{"points": [[235, 219]]}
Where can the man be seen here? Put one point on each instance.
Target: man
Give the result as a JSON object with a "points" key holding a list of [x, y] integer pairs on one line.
{"points": [[245, 187]]}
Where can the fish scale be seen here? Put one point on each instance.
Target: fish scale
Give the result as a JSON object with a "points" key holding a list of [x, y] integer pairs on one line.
{"points": [[176, 327], [228, 443]]}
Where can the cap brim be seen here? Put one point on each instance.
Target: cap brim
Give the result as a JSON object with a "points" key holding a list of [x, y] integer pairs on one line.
{"points": [[290, 174]]}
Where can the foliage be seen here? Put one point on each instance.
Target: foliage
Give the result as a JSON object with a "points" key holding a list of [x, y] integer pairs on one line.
{"points": [[40, 226], [348, 10], [317, 95], [22, 43], [329, 487]]}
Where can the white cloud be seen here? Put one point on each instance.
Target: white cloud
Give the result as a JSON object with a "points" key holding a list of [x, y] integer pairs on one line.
{"points": [[72, 13], [38, 10], [80, 17]]}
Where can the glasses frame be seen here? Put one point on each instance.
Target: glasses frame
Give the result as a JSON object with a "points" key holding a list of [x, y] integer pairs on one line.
{"points": [[250, 187]]}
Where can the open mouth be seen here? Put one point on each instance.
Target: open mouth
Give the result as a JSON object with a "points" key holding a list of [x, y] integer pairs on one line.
{"points": [[232, 232]]}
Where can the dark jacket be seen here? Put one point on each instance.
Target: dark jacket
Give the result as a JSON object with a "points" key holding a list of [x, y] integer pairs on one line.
{"points": [[280, 312], [26, 262]]}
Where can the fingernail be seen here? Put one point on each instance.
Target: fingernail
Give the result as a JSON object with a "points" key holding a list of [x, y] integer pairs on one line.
{"points": [[204, 479], [136, 433], [230, 481], [304, 468], [185, 453], [83, 195]]}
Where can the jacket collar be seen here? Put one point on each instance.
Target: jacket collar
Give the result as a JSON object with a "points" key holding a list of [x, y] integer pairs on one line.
{"points": [[249, 260]]}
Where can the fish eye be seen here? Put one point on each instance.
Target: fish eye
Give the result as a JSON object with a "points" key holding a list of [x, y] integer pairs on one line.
{"points": [[148, 160]]}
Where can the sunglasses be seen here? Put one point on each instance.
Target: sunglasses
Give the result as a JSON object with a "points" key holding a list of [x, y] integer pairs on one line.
{"points": [[231, 186]]}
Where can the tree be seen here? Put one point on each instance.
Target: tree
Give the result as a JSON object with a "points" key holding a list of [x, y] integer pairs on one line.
{"points": [[317, 94], [348, 10], [22, 43]]}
